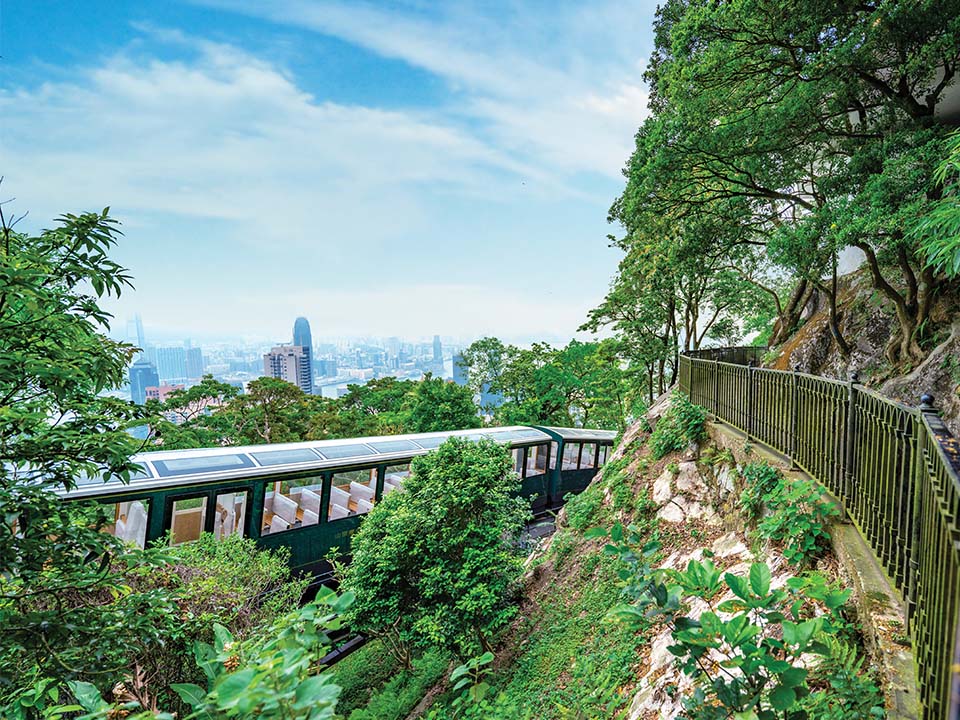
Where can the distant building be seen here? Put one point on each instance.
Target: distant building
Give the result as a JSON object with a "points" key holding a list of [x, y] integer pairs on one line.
{"points": [[160, 392], [143, 374], [302, 338], [437, 349], [194, 363], [460, 373], [172, 363], [290, 363], [327, 367]]}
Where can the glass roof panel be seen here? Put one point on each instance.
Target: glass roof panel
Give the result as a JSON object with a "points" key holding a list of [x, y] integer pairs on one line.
{"points": [[201, 464], [390, 446], [336, 452], [282, 457], [432, 442]]}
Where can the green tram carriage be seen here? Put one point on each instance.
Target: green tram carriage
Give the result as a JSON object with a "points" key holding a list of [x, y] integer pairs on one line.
{"points": [[311, 496]]}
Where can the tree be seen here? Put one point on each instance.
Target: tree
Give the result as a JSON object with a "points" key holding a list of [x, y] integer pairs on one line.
{"points": [[65, 606], [939, 231], [436, 563], [270, 411], [438, 405], [191, 418], [821, 118]]}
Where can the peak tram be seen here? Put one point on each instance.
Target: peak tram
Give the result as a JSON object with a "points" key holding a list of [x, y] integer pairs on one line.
{"points": [[311, 496]]}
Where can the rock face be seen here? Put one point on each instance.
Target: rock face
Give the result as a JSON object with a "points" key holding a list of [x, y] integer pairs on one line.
{"points": [[690, 493]]}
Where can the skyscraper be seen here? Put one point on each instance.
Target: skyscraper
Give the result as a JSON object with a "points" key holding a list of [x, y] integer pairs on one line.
{"points": [[437, 349], [172, 363], [143, 374], [302, 338], [194, 363], [290, 363]]}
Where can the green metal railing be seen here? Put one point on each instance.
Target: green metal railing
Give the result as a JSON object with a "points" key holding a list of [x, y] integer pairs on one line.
{"points": [[896, 470]]}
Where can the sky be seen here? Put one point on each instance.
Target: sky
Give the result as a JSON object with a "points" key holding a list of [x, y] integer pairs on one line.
{"points": [[404, 168]]}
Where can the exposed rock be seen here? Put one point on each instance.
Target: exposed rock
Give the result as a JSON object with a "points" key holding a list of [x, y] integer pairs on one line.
{"points": [[729, 544], [663, 487], [689, 480]]}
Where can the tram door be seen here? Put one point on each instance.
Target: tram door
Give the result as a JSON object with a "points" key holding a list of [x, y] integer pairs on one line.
{"points": [[221, 512]]}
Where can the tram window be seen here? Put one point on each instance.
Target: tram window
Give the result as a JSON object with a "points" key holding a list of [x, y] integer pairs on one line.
{"points": [[536, 460], [518, 461], [187, 520], [290, 504], [344, 451], [553, 455], [231, 513], [604, 449], [130, 521], [394, 477], [587, 454], [352, 492], [571, 453], [431, 442]]}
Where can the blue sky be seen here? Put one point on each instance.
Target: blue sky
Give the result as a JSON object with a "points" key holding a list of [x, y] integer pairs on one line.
{"points": [[406, 168]]}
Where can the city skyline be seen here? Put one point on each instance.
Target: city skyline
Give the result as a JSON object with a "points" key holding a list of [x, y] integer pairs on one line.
{"points": [[371, 166]]}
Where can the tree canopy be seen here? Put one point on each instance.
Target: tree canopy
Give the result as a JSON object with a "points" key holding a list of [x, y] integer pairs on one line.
{"points": [[779, 137]]}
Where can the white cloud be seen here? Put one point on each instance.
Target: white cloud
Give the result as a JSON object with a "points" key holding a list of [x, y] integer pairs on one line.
{"points": [[564, 91], [246, 200]]}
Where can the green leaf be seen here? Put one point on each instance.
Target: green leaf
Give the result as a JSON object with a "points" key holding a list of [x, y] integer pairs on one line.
{"points": [[782, 697], [232, 687], [738, 585], [760, 578], [193, 695], [87, 695]]}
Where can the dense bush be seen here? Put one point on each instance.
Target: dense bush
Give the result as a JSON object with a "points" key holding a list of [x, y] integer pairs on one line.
{"points": [[436, 563], [682, 424], [798, 520]]}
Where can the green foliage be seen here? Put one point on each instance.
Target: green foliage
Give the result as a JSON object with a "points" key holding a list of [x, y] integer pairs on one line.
{"points": [[852, 693], [580, 384], [405, 689], [66, 605], [799, 519], [436, 564], [939, 229], [759, 480], [744, 653], [682, 424], [362, 672], [438, 404]]}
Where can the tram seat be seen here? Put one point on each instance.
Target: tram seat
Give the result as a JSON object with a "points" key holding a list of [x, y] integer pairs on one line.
{"points": [[389, 487], [277, 524], [310, 502], [363, 506], [137, 522], [339, 497], [395, 479], [223, 522], [285, 508], [310, 517], [361, 492], [337, 512]]}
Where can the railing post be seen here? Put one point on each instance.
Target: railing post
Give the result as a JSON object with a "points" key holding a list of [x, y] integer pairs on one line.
{"points": [[920, 470], [716, 389], [794, 416], [751, 398], [849, 438]]}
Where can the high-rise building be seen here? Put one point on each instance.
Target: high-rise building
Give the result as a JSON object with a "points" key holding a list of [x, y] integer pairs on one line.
{"points": [[172, 363], [437, 349], [302, 338], [143, 374], [290, 363], [194, 363]]}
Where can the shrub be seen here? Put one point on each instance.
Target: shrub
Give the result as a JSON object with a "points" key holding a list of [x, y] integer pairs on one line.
{"points": [[436, 564], [799, 520], [682, 424], [745, 654], [759, 480]]}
